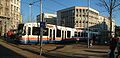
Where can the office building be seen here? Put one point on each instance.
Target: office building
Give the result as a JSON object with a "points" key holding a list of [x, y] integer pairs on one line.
{"points": [[77, 17], [48, 18]]}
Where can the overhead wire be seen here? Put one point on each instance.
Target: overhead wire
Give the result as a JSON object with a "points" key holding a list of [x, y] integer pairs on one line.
{"points": [[36, 1], [59, 3], [38, 6]]}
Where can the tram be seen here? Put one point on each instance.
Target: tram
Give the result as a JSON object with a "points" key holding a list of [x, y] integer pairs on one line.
{"points": [[30, 33], [51, 33], [83, 35]]}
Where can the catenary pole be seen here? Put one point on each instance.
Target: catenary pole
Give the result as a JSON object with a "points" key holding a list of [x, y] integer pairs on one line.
{"points": [[41, 28], [88, 24]]}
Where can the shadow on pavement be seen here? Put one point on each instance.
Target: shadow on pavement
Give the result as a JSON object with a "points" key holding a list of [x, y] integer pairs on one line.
{"points": [[84, 55], [7, 53], [56, 55], [57, 47], [95, 51], [96, 56]]}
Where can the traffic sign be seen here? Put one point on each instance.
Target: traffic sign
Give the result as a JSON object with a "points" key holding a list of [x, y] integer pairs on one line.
{"points": [[42, 24]]}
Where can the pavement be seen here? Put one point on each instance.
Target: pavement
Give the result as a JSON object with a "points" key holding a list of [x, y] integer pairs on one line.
{"points": [[68, 51], [81, 51], [7, 53], [17, 52], [62, 50]]}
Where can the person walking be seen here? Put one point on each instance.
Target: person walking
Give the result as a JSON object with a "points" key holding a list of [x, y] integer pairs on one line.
{"points": [[112, 46], [91, 41], [118, 48], [94, 39]]}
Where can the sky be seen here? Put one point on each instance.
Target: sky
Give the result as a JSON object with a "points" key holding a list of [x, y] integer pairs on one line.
{"points": [[51, 6]]}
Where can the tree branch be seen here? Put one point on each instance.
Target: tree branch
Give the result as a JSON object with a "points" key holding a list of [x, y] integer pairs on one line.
{"points": [[114, 3], [116, 6], [105, 4]]}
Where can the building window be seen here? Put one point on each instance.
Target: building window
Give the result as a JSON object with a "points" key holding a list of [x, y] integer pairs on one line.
{"points": [[77, 10], [76, 15], [0, 2], [15, 1], [11, 7], [17, 9], [11, 0], [81, 24], [76, 21], [80, 10], [73, 11], [14, 8]]}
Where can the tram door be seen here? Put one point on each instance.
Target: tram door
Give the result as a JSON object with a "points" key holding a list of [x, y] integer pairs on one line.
{"points": [[50, 34], [62, 35], [53, 34], [28, 34], [65, 34]]}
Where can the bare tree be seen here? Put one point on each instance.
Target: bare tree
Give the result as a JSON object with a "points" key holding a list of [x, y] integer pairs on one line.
{"points": [[110, 6]]}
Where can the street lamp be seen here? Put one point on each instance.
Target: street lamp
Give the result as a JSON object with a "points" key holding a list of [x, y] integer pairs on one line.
{"points": [[30, 12], [30, 5]]}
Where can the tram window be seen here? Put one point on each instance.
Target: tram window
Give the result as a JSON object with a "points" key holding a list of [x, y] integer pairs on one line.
{"points": [[68, 33], [29, 30], [45, 32], [65, 34], [78, 34], [35, 31], [82, 34], [86, 34], [50, 32], [58, 33], [75, 34], [24, 31]]}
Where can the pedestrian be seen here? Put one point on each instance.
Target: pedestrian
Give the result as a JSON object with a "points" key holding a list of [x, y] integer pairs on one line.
{"points": [[94, 39], [112, 46], [91, 41], [118, 48], [5, 35]]}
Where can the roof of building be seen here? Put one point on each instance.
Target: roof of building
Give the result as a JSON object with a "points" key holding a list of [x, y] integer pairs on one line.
{"points": [[83, 7]]}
